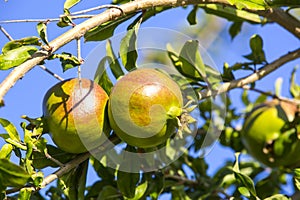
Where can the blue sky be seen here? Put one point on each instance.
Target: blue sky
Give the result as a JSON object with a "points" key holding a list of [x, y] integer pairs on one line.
{"points": [[26, 96]]}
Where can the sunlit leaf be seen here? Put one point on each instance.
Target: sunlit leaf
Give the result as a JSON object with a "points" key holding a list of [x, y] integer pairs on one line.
{"points": [[294, 87], [10, 128], [231, 13], [68, 61], [278, 197], [21, 42], [101, 76], [5, 151], [25, 193], [14, 175], [244, 179], [114, 64], [139, 191], [65, 20], [250, 4], [70, 3], [128, 47], [16, 57], [42, 31]]}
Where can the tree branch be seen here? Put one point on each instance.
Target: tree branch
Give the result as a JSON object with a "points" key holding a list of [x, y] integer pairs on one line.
{"points": [[284, 19], [239, 83], [72, 164], [113, 13]]}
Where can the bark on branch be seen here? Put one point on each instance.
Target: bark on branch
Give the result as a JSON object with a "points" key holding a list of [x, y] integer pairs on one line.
{"points": [[239, 83], [278, 16]]}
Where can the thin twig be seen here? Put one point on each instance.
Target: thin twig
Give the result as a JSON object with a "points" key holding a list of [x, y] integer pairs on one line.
{"points": [[253, 77], [92, 9], [6, 33], [111, 14], [292, 101], [71, 165], [43, 20], [80, 59], [51, 73], [181, 179]]}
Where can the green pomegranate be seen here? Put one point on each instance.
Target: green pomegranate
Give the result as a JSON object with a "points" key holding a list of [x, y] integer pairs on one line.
{"points": [[74, 112], [142, 105], [270, 134]]}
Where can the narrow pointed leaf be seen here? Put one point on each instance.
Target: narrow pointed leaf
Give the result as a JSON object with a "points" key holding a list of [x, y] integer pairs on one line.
{"points": [[192, 17], [5, 151], [294, 87], [21, 42], [128, 47], [68, 61], [101, 76], [231, 13], [114, 64], [10, 128], [235, 29], [42, 31], [250, 4], [70, 3]]}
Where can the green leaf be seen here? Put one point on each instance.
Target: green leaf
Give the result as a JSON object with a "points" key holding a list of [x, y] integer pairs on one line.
{"points": [[257, 55], [5, 151], [250, 4], [70, 3], [192, 17], [297, 178], [21, 42], [128, 47], [106, 30], [294, 87], [244, 191], [16, 57], [244, 179], [280, 3], [156, 183], [25, 193], [189, 63], [105, 173], [11, 129], [114, 64], [108, 192], [66, 20], [235, 29], [231, 13], [278, 197], [74, 182], [101, 76], [42, 31], [14, 175], [139, 191], [68, 61], [127, 183], [41, 160]]}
